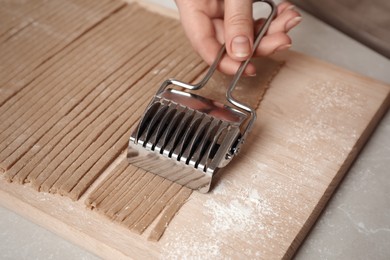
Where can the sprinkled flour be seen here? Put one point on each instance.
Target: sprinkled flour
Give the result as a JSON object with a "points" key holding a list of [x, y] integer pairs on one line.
{"points": [[248, 216], [232, 218]]}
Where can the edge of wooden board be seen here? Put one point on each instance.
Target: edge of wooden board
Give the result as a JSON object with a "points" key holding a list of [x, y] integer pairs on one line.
{"points": [[352, 156], [19, 204], [56, 226], [12, 198], [285, 55], [74, 222]]}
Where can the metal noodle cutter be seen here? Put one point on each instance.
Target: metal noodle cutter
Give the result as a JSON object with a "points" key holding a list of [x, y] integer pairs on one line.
{"points": [[187, 138]]}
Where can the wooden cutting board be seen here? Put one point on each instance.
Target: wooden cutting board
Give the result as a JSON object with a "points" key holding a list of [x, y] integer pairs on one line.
{"points": [[311, 124]]}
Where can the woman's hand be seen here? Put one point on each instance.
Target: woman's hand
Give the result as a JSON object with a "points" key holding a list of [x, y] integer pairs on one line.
{"points": [[210, 23]]}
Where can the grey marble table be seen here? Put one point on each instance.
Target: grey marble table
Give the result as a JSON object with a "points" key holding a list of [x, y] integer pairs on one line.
{"points": [[356, 222]]}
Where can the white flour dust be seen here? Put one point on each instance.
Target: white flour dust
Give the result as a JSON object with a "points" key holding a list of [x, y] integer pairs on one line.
{"points": [[233, 216], [326, 96], [322, 135]]}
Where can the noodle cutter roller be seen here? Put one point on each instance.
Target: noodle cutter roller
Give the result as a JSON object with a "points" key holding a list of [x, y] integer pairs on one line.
{"points": [[187, 138]]}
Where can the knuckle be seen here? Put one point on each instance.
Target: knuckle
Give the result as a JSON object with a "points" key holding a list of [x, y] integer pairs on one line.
{"points": [[288, 15], [239, 20]]}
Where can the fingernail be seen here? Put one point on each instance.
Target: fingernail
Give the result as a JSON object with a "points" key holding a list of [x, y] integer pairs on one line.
{"points": [[283, 47], [241, 47], [291, 7], [250, 75], [293, 22]]}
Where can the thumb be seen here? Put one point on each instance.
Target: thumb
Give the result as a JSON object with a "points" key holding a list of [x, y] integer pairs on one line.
{"points": [[238, 28]]}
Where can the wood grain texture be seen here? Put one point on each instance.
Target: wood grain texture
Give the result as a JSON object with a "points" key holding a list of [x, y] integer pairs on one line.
{"points": [[309, 130], [266, 202], [311, 124]]}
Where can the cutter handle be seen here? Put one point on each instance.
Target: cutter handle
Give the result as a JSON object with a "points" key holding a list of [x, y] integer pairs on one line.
{"points": [[217, 60], [244, 64], [260, 34]]}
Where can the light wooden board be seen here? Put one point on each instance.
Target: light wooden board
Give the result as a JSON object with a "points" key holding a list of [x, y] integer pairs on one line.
{"points": [[312, 122]]}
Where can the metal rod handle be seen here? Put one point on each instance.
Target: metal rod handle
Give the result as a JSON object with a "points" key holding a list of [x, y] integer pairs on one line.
{"points": [[260, 34]]}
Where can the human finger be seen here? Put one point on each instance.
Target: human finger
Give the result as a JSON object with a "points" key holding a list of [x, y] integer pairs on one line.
{"points": [[230, 67], [200, 31], [204, 41], [283, 6], [272, 43], [238, 23], [284, 21]]}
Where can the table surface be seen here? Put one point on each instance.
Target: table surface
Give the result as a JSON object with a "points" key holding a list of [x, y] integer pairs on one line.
{"points": [[356, 222]]}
